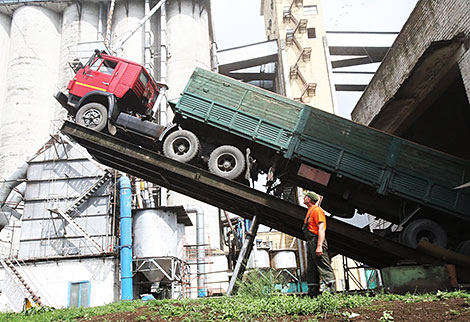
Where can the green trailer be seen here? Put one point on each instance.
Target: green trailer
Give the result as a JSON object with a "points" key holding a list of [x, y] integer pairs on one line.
{"points": [[240, 130]]}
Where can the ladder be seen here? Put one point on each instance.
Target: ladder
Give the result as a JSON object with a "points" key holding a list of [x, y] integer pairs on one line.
{"points": [[20, 281]]}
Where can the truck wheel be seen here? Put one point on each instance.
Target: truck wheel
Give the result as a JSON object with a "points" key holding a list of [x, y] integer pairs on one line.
{"points": [[227, 162], [424, 229], [182, 146], [93, 116], [464, 247]]}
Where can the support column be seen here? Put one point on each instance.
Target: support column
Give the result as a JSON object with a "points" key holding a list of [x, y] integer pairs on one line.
{"points": [[244, 255]]}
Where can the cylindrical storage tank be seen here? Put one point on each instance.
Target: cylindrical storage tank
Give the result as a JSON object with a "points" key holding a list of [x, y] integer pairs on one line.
{"points": [[31, 78], [75, 28], [188, 42], [218, 274], [284, 259], [180, 240], [5, 23], [259, 258], [155, 233], [127, 15]]}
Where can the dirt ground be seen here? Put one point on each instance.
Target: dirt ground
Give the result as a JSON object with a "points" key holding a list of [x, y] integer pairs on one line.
{"points": [[444, 310]]}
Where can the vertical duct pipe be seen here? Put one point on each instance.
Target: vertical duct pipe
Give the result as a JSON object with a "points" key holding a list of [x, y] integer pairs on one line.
{"points": [[163, 75], [126, 238], [99, 36], [147, 40], [200, 241], [109, 23]]}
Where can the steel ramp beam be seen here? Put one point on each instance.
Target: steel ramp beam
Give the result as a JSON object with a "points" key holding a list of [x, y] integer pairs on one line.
{"points": [[242, 200]]}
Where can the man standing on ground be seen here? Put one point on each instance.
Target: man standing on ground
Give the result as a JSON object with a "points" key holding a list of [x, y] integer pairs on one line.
{"points": [[318, 261]]}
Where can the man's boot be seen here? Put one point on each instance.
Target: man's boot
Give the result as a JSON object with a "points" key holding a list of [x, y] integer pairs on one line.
{"points": [[313, 290]]}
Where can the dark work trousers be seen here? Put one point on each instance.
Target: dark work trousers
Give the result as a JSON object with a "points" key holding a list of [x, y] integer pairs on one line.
{"points": [[318, 267]]}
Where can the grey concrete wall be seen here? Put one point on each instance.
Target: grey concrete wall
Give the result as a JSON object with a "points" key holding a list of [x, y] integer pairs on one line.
{"points": [[430, 21]]}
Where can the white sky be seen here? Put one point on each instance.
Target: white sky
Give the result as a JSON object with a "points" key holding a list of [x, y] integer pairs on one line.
{"points": [[238, 22]]}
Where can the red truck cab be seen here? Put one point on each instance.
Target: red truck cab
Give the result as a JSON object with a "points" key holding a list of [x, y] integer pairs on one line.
{"points": [[113, 92]]}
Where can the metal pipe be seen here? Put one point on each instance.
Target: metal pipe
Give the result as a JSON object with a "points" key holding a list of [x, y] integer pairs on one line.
{"points": [[6, 188], [301, 257], [126, 238], [148, 41], [100, 22], [9, 184], [13, 201], [109, 22], [200, 241], [163, 75]]}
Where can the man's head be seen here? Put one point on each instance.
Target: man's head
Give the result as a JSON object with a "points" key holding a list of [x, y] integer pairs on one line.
{"points": [[310, 196]]}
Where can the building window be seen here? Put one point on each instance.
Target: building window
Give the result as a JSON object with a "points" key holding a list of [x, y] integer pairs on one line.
{"points": [[311, 33], [310, 10], [79, 294]]}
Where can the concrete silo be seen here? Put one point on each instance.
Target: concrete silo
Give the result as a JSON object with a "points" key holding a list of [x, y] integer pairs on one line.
{"points": [[79, 24], [189, 46], [188, 41], [5, 23], [31, 79], [127, 15]]}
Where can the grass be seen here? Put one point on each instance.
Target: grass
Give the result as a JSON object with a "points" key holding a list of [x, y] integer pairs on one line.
{"points": [[257, 299], [238, 308]]}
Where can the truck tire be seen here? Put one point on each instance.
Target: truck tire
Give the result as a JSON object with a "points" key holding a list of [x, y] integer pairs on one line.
{"points": [[93, 116], [182, 146], [424, 229], [227, 162], [464, 247]]}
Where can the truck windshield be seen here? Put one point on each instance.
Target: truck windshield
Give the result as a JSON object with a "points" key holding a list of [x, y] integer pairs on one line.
{"points": [[96, 64], [104, 66]]}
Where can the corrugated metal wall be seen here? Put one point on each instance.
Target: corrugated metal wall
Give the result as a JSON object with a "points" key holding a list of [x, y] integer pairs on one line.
{"points": [[55, 179]]}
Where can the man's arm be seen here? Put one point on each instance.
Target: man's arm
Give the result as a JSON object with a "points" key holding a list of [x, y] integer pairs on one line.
{"points": [[321, 238]]}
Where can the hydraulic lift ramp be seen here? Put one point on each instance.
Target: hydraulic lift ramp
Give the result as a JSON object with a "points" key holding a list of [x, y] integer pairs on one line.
{"points": [[242, 200]]}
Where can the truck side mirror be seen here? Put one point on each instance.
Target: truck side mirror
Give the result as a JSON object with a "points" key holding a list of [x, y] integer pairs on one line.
{"points": [[76, 65]]}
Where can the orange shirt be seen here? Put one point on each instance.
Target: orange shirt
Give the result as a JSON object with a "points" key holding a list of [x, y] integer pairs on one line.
{"points": [[314, 216]]}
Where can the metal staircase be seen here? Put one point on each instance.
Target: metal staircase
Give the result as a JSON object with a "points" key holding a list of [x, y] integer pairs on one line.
{"points": [[72, 212], [304, 53], [77, 228], [20, 282]]}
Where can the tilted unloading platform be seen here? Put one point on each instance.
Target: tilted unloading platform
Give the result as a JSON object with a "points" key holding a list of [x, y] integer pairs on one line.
{"points": [[242, 200]]}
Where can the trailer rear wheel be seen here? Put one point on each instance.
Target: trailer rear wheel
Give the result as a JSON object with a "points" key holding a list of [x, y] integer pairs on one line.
{"points": [[424, 229], [182, 146], [227, 162], [93, 116]]}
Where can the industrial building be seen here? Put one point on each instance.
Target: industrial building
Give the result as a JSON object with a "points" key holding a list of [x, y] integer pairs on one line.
{"points": [[62, 242]]}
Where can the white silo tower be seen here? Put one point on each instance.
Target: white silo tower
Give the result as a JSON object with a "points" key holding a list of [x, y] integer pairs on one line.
{"points": [[31, 80], [5, 23], [79, 24], [127, 15], [189, 47], [188, 42]]}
